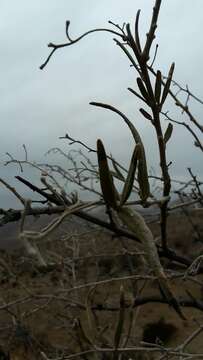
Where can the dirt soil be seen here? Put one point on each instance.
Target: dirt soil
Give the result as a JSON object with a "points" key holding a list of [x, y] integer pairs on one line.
{"points": [[40, 313]]}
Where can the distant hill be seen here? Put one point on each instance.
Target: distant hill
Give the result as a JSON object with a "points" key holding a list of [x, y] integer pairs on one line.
{"points": [[9, 232]]}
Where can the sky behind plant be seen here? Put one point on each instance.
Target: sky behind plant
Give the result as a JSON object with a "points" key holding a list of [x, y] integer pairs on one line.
{"points": [[37, 107]]}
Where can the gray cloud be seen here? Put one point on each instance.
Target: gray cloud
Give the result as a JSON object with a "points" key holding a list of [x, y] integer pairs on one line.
{"points": [[37, 107]]}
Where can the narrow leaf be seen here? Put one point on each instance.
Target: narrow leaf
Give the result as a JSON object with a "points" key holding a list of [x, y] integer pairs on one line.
{"points": [[137, 38], [131, 175], [146, 114], [126, 52], [143, 90], [168, 84], [132, 128], [168, 133], [132, 42], [136, 94], [158, 87], [142, 178], [106, 179]]}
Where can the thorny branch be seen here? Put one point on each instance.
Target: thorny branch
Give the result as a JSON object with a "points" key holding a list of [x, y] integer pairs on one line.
{"points": [[180, 104], [188, 127], [142, 58], [58, 202], [14, 215], [71, 42]]}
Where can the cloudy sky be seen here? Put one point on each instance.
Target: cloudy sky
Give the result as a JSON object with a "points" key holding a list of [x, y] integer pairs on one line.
{"points": [[36, 107]]}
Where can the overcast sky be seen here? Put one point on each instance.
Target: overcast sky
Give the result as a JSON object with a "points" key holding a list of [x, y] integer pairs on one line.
{"points": [[36, 107]]}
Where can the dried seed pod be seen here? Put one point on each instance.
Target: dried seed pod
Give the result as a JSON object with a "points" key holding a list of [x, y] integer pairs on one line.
{"points": [[106, 178], [168, 133], [142, 177], [142, 165], [158, 87], [131, 175], [136, 223], [168, 84]]}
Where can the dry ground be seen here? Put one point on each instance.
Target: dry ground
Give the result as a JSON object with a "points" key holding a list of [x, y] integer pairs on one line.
{"points": [[47, 317]]}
